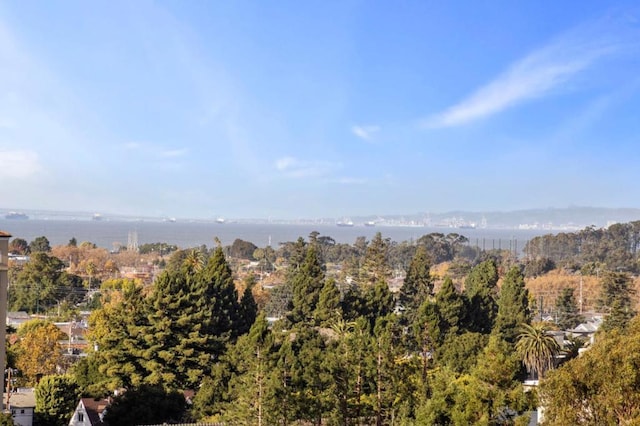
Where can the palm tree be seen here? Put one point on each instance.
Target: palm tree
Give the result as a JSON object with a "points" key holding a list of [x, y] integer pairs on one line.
{"points": [[537, 348], [194, 261]]}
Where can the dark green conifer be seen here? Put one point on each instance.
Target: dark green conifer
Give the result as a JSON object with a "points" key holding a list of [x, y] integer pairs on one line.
{"points": [[253, 359], [375, 266], [248, 305], [306, 282], [567, 315], [417, 285], [480, 288], [192, 317], [513, 306], [328, 307], [450, 305]]}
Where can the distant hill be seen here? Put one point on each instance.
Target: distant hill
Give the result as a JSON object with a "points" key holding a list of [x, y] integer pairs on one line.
{"points": [[569, 218], [553, 218]]}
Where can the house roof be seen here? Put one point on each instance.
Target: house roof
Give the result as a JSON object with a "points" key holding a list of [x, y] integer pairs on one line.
{"points": [[4, 234], [21, 399], [77, 329], [587, 327], [93, 408], [18, 315]]}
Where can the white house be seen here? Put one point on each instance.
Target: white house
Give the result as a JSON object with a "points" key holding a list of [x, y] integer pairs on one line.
{"points": [[89, 412], [22, 405], [15, 319]]}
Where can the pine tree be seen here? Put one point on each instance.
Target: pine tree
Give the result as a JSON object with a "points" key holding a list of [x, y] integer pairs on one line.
{"points": [[297, 255], [378, 301], [450, 308], [307, 282], [480, 287], [192, 317], [568, 316], [513, 306], [118, 330], [218, 302], [310, 398], [253, 359], [248, 306], [394, 388], [615, 298], [169, 326], [417, 285], [375, 267], [328, 307]]}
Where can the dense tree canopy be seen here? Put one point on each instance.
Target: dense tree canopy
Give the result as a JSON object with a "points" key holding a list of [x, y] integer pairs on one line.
{"points": [[41, 283], [601, 387], [38, 351], [346, 350], [513, 306], [56, 400]]}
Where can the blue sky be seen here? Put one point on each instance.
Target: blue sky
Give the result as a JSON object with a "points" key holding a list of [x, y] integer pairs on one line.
{"points": [[318, 108]]}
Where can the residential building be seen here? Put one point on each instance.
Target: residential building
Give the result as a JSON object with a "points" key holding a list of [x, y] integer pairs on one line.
{"points": [[21, 405], [89, 412]]}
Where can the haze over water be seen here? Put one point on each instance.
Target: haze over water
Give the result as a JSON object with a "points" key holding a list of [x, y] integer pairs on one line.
{"points": [[106, 234]]}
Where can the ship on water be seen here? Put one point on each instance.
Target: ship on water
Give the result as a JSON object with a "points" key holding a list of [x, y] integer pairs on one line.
{"points": [[345, 223], [16, 215]]}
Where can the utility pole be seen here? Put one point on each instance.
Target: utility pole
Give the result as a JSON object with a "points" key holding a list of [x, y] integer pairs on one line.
{"points": [[581, 300], [4, 283], [8, 404]]}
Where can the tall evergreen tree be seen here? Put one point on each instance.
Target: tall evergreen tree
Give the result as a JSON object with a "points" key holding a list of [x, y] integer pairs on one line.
{"points": [[615, 299], [417, 285], [375, 267], [118, 331], [253, 359], [169, 331], [56, 398], [297, 255], [192, 317], [307, 282], [568, 316], [353, 304], [394, 388], [218, 304], [328, 307], [480, 288], [311, 383], [450, 307], [378, 301], [248, 305], [513, 306]]}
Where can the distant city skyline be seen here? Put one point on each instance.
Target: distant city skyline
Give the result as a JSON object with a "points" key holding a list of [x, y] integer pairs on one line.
{"points": [[314, 109]]}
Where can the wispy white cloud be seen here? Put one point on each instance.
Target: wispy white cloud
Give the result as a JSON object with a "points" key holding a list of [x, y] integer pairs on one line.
{"points": [[349, 181], [365, 132], [294, 168], [536, 75], [173, 153], [132, 146], [154, 150], [19, 164]]}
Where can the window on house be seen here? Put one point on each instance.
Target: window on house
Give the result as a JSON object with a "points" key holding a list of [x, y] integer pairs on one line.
{"points": [[81, 417], [21, 411]]}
